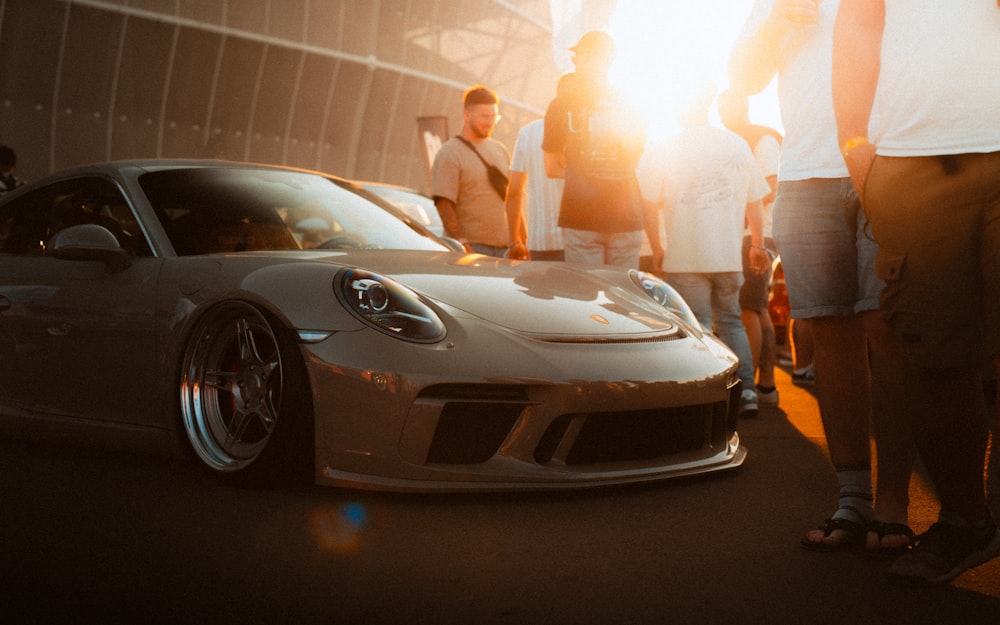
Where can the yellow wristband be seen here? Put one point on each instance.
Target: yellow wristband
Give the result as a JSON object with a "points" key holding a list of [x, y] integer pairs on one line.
{"points": [[852, 143]]}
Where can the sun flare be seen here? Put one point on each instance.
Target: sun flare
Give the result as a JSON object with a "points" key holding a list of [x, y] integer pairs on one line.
{"points": [[668, 49]]}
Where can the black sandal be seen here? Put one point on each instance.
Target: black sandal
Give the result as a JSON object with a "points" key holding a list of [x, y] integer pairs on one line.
{"points": [[890, 529], [855, 536]]}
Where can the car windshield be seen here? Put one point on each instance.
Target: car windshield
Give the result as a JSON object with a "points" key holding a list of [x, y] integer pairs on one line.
{"points": [[221, 210], [412, 203]]}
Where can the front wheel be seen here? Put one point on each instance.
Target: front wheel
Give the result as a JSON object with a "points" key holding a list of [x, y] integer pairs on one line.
{"points": [[243, 397]]}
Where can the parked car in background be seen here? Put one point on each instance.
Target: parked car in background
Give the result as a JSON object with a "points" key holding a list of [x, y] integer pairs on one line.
{"points": [[410, 201], [277, 323]]}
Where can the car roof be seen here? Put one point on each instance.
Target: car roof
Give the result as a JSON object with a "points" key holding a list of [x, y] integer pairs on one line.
{"points": [[138, 166]]}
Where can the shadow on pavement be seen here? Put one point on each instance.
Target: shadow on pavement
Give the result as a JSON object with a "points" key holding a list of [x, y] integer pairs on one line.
{"points": [[88, 537]]}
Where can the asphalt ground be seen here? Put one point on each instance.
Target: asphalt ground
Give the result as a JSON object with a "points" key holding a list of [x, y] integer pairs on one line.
{"points": [[88, 536]]}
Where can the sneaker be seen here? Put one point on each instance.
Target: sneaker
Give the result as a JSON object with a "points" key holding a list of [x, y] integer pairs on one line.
{"points": [[804, 377], [946, 551], [748, 403], [767, 398]]}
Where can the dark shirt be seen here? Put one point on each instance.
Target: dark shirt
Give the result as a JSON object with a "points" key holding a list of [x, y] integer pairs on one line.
{"points": [[603, 137]]}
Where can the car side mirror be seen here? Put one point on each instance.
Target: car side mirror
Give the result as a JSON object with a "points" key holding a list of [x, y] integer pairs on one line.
{"points": [[454, 244], [88, 242]]}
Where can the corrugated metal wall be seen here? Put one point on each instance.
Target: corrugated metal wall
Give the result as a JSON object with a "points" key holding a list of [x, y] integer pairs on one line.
{"points": [[333, 85]]}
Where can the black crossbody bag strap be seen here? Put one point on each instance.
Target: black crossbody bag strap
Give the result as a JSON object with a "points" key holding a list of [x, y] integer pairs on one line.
{"points": [[473, 148], [496, 177]]}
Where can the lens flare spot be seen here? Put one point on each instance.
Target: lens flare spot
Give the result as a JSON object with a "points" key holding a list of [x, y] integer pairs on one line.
{"points": [[338, 528]]}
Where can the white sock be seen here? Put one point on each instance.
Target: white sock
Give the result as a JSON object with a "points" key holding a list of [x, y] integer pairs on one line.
{"points": [[855, 495]]}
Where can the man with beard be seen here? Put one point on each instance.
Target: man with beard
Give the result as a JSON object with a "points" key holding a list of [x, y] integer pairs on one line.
{"points": [[469, 178]]}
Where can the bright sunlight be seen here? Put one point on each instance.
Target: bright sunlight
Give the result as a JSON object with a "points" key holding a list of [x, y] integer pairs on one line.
{"points": [[667, 48]]}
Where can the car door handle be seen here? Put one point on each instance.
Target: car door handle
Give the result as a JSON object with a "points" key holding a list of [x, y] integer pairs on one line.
{"points": [[4, 304]]}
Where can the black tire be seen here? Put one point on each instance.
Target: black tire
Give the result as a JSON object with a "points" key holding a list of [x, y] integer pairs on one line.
{"points": [[244, 398]]}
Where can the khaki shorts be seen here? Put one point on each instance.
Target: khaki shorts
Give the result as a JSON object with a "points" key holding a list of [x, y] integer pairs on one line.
{"points": [[827, 249], [937, 222]]}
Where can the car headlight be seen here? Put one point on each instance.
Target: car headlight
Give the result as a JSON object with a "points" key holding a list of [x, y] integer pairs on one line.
{"points": [[665, 296], [388, 306]]}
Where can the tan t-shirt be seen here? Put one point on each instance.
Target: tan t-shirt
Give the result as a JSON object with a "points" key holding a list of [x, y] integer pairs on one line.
{"points": [[458, 175]]}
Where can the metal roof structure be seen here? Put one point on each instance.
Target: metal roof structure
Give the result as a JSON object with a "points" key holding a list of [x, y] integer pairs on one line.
{"points": [[334, 85]]}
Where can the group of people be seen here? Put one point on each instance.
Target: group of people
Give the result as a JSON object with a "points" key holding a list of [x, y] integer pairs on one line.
{"points": [[828, 257], [597, 194], [577, 166], [886, 214], [886, 218]]}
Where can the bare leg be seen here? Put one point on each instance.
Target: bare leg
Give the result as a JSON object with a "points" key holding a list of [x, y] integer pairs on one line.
{"points": [[841, 357], [844, 392], [751, 323], [768, 351], [801, 338], [894, 443]]}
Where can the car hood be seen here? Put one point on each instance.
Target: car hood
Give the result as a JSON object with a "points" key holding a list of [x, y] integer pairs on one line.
{"points": [[537, 298]]}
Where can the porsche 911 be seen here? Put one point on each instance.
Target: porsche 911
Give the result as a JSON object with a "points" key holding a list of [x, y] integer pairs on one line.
{"points": [[277, 324]]}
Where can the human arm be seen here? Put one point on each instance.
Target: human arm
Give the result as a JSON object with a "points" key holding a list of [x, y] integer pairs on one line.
{"points": [[555, 164], [760, 259], [772, 182], [753, 61], [516, 224], [445, 182], [857, 47], [554, 140], [767, 153], [449, 219], [651, 218], [650, 175]]}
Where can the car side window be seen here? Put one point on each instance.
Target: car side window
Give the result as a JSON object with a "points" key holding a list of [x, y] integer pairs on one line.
{"points": [[28, 223]]}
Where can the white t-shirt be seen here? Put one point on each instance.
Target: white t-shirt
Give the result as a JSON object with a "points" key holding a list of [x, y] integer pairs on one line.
{"points": [[703, 177], [939, 87], [805, 65], [767, 152], [541, 206]]}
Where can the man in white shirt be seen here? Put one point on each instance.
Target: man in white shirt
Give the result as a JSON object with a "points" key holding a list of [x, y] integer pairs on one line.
{"points": [[707, 186], [765, 143], [530, 186], [927, 167], [828, 258]]}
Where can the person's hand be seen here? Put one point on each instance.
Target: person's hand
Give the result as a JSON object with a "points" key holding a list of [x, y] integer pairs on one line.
{"points": [[859, 163], [518, 251], [787, 15], [657, 262], [760, 260]]}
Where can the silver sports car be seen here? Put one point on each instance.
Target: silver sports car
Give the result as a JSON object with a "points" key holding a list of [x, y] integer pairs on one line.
{"points": [[279, 325]]}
